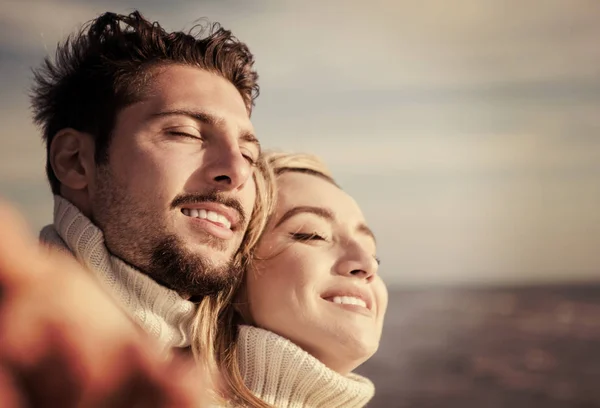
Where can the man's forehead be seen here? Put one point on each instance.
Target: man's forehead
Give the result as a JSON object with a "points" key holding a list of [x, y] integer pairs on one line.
{"points": [[193, 88]]}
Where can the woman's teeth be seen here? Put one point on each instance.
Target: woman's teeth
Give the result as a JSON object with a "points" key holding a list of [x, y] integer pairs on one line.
{"points": [[348, 300], [207, 215]]}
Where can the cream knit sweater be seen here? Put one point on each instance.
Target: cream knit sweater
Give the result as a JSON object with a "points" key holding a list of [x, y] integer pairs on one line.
{"points": [[160, 311], [285, 376]]}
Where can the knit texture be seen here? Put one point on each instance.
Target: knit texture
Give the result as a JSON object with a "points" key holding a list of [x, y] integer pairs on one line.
{"points": [[285, 376], [160, 311]]}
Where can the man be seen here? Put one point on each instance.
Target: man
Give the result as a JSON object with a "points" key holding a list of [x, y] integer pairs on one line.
{"points": [[159, 184]]}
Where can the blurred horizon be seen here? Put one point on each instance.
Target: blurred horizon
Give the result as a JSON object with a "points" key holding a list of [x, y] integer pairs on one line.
{"points": [[467, 131], [493, 348]]}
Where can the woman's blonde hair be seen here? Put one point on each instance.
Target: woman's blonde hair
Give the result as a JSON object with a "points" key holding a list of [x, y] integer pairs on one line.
{"points": [[215, 330]]}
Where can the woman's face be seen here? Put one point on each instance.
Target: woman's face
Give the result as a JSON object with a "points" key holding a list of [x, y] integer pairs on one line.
{"points": [[316, 280]]}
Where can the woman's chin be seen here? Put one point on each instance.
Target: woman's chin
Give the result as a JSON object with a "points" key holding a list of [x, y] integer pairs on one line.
{"points": [[344, 357], [342, 346], [344, 366]]}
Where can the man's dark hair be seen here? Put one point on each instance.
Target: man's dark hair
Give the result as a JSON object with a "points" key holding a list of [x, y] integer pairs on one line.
{"points": [[106, 65]]}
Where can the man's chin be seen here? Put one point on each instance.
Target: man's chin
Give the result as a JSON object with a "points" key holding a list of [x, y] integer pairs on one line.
{"points": [[214, 257], [191, 269]]}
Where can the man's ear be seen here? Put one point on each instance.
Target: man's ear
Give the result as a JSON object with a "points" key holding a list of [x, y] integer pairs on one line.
{"points": [[72, 158]]}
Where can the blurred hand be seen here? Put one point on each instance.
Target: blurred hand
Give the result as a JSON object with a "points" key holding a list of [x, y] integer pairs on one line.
{"points": [[64, 343]]}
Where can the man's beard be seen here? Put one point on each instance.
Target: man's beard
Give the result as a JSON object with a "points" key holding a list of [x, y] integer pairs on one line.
{"points": [[150, 248], [189, 274]]}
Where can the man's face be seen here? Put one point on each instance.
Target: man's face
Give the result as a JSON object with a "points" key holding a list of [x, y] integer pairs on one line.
{"points": [[177, 193]]}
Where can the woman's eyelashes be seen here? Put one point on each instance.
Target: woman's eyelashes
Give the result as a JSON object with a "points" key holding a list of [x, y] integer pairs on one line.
{"points": [[314, 236], [304, 236]]}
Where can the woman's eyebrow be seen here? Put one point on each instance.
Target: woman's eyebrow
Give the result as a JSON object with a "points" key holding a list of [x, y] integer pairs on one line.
{"points": [[319, 211]]}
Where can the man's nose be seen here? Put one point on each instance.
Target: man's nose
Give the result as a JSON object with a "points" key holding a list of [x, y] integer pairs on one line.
{"points": [[227, 169]]}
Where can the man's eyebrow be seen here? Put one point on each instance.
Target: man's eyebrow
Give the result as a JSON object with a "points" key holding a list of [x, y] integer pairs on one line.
{"points": [[209, 119], [321, 212], [200, 116]]}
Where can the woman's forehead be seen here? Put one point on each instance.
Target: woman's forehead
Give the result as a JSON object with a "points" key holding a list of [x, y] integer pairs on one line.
{"points": [[298, 189]]}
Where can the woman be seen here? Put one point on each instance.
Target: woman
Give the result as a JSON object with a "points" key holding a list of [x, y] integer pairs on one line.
{"points": [[310, 308]]}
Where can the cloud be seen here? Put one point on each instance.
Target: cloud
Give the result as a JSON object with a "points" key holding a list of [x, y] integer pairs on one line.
{"points": [[34, 27], [385, 44], [357, 45]]}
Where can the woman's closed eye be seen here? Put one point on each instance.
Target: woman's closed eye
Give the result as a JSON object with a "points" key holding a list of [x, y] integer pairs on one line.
{"points": [[314, 236], [303, 236]]}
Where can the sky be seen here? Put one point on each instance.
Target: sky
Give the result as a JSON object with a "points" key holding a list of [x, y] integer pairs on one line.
{"points": [[468, 131]]}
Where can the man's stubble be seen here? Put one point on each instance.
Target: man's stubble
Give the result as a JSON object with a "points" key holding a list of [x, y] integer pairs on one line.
{"points": [[137, 234]]}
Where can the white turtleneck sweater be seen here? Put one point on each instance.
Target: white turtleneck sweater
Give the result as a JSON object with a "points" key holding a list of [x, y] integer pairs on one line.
{"points": [[160, 311], [285, 376], [274, 369]]}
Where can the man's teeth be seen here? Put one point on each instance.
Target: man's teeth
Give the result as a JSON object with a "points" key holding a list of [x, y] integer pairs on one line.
{"points": [[207, 215], [348, 300]]}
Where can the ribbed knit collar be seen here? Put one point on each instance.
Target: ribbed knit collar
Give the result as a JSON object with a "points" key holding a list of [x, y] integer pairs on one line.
{"points": [[160, 311], [282, 374]]}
